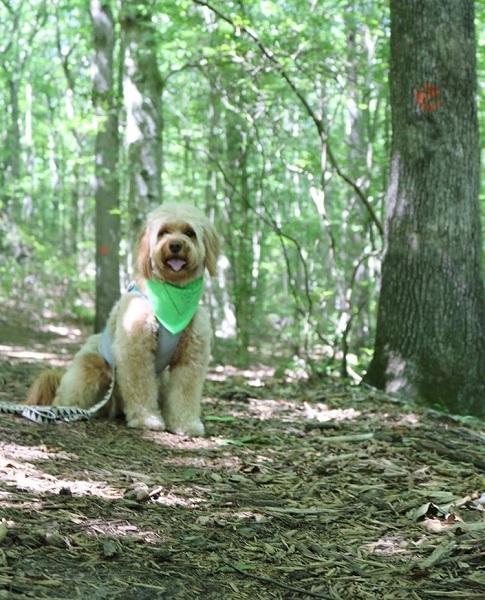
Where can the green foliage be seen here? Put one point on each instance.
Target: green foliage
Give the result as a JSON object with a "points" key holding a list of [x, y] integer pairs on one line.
{"points": [[269, 110]]}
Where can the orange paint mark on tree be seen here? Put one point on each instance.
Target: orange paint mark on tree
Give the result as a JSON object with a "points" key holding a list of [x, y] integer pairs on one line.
{"points": [[104, 250], [427, 97]]}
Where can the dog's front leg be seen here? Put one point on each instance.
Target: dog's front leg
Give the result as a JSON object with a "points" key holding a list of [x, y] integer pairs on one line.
{"points": [[138, 388], [181, 399], [133, 350]]}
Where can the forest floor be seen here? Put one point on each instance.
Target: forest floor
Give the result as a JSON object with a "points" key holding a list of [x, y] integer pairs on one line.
{"points": [[297, 491]]}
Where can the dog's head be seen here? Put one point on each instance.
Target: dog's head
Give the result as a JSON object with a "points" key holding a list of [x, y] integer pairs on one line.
{"points": [[177, 244]]}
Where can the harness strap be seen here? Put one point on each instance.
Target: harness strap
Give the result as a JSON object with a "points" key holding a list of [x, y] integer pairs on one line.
{"points": [[106, 347], [166, 341], [166, 346]]}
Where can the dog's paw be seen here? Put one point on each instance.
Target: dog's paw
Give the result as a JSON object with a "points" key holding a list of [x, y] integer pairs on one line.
{"points": [[147, 422], [193, 429]]}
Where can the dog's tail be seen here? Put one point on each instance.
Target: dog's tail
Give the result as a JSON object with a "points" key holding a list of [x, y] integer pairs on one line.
{"points": [[43, 390]]}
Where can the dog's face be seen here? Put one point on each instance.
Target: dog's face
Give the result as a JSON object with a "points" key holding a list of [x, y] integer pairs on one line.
{"points": [[177, 244]]}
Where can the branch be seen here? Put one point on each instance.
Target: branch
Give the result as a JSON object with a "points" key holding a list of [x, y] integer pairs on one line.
{"points": [[40, 21], [318, 122], [8, 6]]}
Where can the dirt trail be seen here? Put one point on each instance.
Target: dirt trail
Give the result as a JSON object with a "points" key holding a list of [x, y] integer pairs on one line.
{"points": [[325, 492]]}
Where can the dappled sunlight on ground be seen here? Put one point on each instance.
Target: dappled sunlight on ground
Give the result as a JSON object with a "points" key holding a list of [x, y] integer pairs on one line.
{"points": [[28, 355], [298, 489], [323, 414], [25, 477], [70, 333], [283, 483], [175, 442], [29, 453], [28, 340], [17, 470], [254, 376]]}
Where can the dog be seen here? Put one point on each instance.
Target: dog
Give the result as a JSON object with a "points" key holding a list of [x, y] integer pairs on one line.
{"points": [[177, 245]]}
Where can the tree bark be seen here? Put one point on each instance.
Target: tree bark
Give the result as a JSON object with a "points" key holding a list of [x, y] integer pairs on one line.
{"points": [[142, 90], [430, 338], [237, 199], [106, 169]]}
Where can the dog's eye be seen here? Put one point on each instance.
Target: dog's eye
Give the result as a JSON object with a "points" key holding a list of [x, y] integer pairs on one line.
{"points": [[190, 233], [162, 233]]}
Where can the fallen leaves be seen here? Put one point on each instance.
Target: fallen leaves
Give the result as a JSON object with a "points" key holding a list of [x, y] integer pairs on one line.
{"points": [[3, 530], [286, 497]]}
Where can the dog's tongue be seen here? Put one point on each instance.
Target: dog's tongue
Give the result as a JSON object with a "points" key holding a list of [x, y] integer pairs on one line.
{"points": [[176, 263]]}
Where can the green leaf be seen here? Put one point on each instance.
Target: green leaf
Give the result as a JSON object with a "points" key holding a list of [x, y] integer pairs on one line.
{"points": [[232, 442], [217, 419]]}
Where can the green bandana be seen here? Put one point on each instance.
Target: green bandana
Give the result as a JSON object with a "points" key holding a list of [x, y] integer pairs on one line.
{"points": [[174, 306]]}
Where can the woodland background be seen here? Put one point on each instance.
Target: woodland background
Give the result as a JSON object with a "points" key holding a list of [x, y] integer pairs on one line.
{"points": [[245, 97], [275, 119]]}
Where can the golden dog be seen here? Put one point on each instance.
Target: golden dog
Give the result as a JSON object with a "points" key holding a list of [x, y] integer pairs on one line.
{"points": [[177, 245]]}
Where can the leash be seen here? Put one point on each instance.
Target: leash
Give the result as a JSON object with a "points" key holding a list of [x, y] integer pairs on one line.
{"points": [[52, 414], [167, 340]]}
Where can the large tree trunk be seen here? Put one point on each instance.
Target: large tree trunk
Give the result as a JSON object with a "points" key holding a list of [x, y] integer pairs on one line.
{"points": [[430, 340], [106, 153]]}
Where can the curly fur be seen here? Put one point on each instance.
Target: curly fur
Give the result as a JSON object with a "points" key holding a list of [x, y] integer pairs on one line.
{"points": [[175, 235]]}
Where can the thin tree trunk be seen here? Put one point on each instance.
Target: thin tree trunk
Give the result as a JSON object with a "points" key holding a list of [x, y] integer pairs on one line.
{"points": [[106, 172], [241, 220], [142, 89], [430, 340]]}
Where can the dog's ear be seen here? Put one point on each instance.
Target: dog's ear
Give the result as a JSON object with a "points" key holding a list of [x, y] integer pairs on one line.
{"points": [[212, 244], [143, 259]]}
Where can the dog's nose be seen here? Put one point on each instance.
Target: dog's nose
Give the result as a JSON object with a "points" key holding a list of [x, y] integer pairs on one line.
{"points": [[175, 247]]}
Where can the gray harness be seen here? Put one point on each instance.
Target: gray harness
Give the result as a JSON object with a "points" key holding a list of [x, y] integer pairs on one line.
{"points": [[166, 342]]}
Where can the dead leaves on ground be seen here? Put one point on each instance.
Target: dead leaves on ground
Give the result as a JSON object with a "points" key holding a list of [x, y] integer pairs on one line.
{"points": [[328, 492]]}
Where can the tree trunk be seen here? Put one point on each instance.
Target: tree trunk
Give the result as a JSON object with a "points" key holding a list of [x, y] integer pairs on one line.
{"points": [[142, 89], [106, 171], [14, 129], [237, 198], [430, 339]]}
